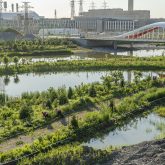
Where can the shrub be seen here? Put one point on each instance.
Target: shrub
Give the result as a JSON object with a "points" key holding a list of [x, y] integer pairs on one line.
{"points": [[74, 123], [70, 93], [92, 91], [25, 112]]}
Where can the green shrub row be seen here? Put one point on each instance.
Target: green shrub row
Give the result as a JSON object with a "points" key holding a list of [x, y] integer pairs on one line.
{"points": [[92, 122]]}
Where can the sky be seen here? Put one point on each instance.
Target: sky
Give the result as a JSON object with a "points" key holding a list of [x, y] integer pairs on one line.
{"points": [[46, 7]]}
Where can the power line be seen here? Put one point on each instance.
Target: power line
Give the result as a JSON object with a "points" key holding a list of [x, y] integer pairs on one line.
{"points": [[72, 9], [81, 6], [92, 5], [105, 6], [26, 8]]}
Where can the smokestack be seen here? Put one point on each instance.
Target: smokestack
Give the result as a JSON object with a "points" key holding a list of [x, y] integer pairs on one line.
{"points": [[17, 8], [5, 5], [12, 7], [130, 5], [55, 13]]}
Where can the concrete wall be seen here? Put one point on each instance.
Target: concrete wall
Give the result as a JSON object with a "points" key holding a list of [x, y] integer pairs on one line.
{"points": [[93, 43], [8, 36], [118, 14]]}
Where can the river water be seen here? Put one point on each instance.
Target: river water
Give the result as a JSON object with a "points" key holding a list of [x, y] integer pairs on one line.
{"points": [[16, 85], [139, 130]]}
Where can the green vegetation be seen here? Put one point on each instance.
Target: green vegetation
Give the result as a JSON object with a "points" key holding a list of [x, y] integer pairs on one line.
{"points": [[69, 155], [132, 63], [160, 111], [36, 47], [19, 115], [90, 124]]}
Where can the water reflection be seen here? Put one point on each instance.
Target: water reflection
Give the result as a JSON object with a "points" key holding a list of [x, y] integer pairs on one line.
{"points": [[17, 84], [138, 53], [138, 130]]}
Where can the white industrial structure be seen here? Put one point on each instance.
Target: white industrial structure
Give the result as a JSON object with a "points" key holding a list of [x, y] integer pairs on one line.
{"points": [[60, 32]]}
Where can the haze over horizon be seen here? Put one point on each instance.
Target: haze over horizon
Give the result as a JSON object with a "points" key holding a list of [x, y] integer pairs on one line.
{"points": [[46, 8]]}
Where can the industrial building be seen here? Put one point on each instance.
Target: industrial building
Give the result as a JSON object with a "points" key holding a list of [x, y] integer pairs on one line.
{"points": [[94, 20]]}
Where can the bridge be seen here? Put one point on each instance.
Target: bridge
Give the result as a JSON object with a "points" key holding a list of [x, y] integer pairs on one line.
{"points": [[153, 33]]}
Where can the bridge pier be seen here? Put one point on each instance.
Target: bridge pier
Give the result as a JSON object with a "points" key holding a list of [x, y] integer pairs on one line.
{"points": [[131, 45], [130, 53], [115, 45]]}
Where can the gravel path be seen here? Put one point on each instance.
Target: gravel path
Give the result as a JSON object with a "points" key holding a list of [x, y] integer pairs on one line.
{"points": [[146, 153]]}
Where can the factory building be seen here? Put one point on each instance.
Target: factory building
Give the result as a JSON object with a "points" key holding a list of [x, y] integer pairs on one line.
{"points": [[118, 14], [95, 20]]}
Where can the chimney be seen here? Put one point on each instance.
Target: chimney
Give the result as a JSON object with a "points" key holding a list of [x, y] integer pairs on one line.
{"points": [[130, 5], [17, 8], [5, 5], [12, 7]]}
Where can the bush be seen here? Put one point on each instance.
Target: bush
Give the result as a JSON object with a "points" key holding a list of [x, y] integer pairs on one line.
{"points": [[70, 93], [25, 112], [92, 91], [63, 99], [74, 123]]}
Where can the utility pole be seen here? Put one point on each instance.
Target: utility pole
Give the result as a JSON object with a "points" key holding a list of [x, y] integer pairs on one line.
{"points": [[43, 31], [105, 5], [72, 9], [26, 8], [80, 7], [93, 5], [1, 9]]}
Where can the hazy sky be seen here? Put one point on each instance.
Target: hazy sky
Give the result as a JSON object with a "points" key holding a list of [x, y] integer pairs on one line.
{"points": [[46, 7]]}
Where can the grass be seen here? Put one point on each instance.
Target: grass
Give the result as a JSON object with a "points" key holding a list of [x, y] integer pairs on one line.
{"points": [[160, 111]]}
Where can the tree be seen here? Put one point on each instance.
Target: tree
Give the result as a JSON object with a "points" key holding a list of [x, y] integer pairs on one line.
{"points": [[6, 60], [62, 96], [15, 60], [117, 75], [48, 104], [92, 91], [6, 80], [15, 47], [25, 112], [107, 81], [112, 105], [16, 79], [74, 123], [122, 83], [137, 76], [70, 93]]}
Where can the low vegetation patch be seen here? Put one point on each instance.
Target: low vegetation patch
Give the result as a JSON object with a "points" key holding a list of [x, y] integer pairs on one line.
{"points": [[160, 111]]}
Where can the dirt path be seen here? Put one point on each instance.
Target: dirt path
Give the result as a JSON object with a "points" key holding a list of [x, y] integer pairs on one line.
{"points": [[28, 139]]}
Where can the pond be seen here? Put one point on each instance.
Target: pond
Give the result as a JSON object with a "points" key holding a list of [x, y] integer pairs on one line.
{"points": [[137, 131], [16, 85]]}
